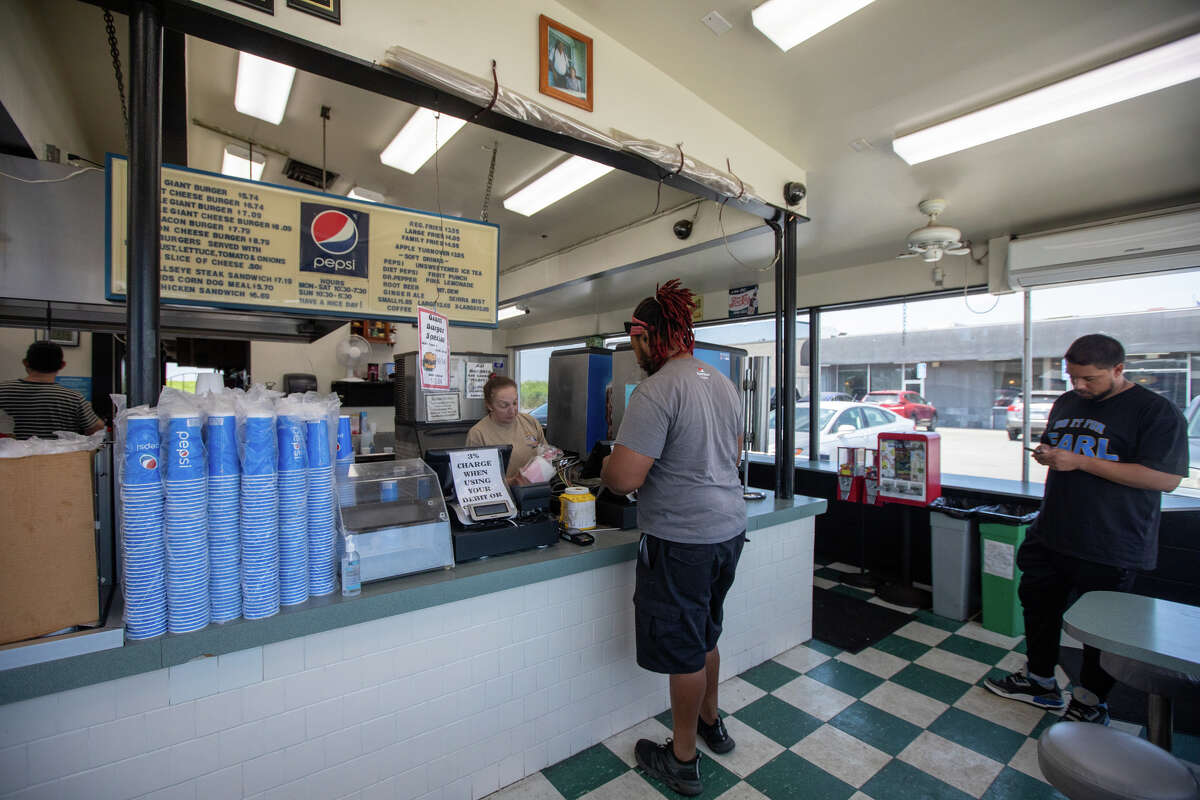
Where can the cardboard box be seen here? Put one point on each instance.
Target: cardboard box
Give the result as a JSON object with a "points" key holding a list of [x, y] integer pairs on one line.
{"points": [[48, 559]]}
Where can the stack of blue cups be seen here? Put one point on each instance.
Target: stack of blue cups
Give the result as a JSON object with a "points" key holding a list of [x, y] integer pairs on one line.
{"points": [[322, 541], [144, 564], [186, 516], [293, 510], [345, 457], [260, 519], [224, 540]]}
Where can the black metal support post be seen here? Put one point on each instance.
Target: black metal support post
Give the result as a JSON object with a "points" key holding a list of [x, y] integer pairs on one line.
{"points": [[785, 409], [903, 593], [814, 382], [174, 99], [777, 433], [142, 264]]}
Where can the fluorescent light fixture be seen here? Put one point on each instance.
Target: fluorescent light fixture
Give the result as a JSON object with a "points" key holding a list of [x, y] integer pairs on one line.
{"points": [[1137, 75], [787, 23], [572, 174], [359, 193], [240, 163], [263, 87], [508, 312], [419, 139]]}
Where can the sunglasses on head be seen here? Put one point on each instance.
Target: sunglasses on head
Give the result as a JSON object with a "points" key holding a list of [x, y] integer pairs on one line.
{"points": [[636, 328]]}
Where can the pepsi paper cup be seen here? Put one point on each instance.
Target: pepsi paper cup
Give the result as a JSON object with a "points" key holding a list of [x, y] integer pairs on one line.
{"points": [[141, 451], [220, 436], [318, 442], [345, 446], [184, 449]]}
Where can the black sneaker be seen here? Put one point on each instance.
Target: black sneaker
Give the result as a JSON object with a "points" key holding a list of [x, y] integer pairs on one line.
{"points": [[1018, 686], [659, 761], [1082, 712], [715, 735]]}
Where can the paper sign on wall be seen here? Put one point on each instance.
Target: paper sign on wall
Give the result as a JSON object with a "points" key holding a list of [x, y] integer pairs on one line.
{"points": [[442, 407], [477, 375], [743, 301], [433, 344], [478, 477]]}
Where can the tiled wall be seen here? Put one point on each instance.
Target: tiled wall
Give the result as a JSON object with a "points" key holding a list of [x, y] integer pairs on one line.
{"points": [[445, 703]]}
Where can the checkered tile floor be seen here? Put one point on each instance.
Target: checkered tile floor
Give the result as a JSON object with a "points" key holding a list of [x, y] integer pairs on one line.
{"points": [[904, 719]]}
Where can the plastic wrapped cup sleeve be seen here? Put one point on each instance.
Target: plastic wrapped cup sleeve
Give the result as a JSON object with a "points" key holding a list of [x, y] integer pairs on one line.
{"points": [[184, 449], [259, 456], [318, 443], [293, 453], [221, 440], [141, 451]]}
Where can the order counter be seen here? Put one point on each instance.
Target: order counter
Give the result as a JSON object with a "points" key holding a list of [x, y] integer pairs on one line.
{"points": [[520, 660]]}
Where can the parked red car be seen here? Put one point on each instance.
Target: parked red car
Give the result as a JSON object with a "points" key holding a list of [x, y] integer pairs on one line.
{"points": [[906, 404]]}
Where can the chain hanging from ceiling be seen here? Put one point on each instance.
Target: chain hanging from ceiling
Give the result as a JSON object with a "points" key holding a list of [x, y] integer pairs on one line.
{"points": [[114, 50], [487, 192]]}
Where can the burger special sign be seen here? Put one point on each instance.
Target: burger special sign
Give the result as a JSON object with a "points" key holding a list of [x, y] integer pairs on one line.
{"points": [[244, 244]]}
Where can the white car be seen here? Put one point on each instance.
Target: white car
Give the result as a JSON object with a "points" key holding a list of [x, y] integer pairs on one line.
{"points": [[845, 424]]}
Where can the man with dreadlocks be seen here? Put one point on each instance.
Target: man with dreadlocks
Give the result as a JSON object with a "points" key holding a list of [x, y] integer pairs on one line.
{"points": [[678, 445]]}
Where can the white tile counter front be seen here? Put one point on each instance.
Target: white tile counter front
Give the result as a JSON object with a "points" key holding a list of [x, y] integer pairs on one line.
{"points": [[449, 702]]}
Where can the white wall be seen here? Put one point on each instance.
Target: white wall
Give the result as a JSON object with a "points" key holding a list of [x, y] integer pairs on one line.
{"points": [[31, 87], [15, 341], [450, 702], [468, 34]]}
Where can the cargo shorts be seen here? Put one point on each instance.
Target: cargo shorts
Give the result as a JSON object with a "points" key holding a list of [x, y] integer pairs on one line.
{"points": [[679, 601]]}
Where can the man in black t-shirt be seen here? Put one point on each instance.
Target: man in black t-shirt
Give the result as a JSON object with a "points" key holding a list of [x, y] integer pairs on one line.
{"points": [[1112, 447]]}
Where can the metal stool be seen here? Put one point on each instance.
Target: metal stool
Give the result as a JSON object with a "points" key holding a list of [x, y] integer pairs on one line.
{"points": [[1161, 684], [1091, 762]]}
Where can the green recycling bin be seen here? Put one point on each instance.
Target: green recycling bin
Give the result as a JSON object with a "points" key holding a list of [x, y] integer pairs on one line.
{"points": [[1001, 531]]}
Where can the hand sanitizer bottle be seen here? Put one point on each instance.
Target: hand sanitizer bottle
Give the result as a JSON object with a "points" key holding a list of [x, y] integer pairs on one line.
{"points": [[351, 575]]}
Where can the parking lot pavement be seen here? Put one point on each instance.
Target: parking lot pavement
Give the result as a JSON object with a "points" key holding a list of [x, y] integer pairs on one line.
{"points": [[987, 454]]}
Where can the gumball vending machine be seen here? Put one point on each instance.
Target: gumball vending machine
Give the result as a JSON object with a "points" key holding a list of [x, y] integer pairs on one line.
{"points": [[850, 466], [910, 468]]}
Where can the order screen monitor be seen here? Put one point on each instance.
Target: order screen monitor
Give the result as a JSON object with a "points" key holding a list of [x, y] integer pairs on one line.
{"points": [[439, 462]]}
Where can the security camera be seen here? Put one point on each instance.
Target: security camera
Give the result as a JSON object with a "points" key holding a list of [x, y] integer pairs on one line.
{"points": [[794, 192], [682, 228]]}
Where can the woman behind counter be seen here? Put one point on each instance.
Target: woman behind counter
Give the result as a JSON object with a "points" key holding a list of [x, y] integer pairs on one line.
{"points": [[504, 424]]}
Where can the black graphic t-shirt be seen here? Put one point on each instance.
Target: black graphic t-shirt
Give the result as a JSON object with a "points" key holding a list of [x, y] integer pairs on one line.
{"points": [[1089, 517]]}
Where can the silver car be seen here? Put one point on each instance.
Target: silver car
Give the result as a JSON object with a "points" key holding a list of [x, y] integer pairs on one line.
{"points": [[1041, 401]]}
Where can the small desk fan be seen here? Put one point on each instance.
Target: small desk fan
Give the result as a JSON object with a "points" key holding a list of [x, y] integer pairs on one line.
{"points": [[352, 353]]}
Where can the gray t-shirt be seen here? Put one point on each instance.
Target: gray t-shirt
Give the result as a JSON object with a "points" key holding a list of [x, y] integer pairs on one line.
{"points": [[687, 417]]}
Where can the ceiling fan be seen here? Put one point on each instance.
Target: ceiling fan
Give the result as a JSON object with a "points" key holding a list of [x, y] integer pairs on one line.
{"points": [[932, 241]]}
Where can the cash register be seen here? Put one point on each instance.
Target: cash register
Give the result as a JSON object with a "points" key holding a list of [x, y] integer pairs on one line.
{"points": [[494, 520]]}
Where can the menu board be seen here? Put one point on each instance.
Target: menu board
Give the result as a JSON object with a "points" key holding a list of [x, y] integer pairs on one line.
{"points": [[242, 244]]}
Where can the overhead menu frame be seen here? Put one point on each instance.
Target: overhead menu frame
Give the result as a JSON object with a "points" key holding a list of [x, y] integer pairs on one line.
{"points": [[234, 243]]}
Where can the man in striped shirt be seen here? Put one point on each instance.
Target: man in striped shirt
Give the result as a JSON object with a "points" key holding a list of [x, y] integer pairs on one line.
{"points": [[38, 405]]}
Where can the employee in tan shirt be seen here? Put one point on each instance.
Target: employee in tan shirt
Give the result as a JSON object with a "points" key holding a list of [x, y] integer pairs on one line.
{"points": [[504, 424]]}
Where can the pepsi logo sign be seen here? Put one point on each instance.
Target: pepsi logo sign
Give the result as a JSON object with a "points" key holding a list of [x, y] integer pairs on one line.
{"points": [[333, 240], [334, 232], [148, 461]]}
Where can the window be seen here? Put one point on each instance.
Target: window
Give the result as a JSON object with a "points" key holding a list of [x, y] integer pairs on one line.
{"points": [[532, 374], [850, 419], [877, 416]]}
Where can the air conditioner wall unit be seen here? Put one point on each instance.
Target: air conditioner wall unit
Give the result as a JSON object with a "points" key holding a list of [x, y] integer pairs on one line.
{"points": [[1112, 250]]}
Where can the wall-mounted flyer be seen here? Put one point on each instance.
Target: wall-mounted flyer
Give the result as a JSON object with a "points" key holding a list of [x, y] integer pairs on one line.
{"points": [[433, 344], [243, 244]]}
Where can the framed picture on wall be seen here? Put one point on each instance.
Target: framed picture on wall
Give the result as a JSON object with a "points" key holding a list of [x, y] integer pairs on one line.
{"points": [[266, 6], [326, 9], [64, 337], [565, 70]]}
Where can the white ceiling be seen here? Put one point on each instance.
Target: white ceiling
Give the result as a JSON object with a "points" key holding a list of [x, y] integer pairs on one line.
{"points": [[899, 65], [891, 68]]}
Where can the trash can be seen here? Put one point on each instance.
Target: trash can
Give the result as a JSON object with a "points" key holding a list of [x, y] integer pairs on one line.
{"points": [[1001, 531], [954, 557]]}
